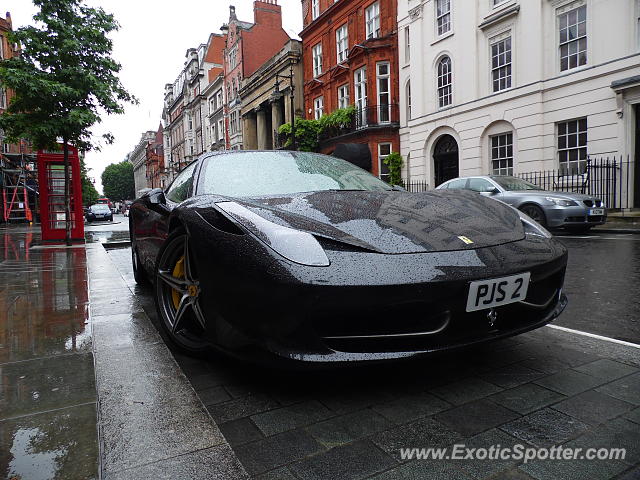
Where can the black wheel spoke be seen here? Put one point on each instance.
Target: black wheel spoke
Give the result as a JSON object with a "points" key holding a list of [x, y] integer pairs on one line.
{"points": [[180, 312], [175, 283], [197, 311]]}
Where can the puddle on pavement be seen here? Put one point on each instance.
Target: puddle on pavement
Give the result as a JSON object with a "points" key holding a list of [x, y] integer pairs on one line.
{"points": [[47, 396]]}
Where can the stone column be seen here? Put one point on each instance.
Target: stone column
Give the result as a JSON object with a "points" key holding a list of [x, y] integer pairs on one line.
{"points": [[287, 108], [276, 120], [250, 141], [263, 135]]}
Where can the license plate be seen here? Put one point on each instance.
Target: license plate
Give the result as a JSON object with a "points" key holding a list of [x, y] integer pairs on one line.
{"points": [[491, 293], [596, 211]]}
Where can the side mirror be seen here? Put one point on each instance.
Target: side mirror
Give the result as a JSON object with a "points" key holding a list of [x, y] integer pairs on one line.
{"points": [[492, 190], [156, 197]]}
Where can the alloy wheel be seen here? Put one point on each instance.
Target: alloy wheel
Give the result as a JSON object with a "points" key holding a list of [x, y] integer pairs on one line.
{"points": [[535, 213], [178, 294]]}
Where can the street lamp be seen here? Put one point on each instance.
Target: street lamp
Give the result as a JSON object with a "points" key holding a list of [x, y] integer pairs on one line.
{"points": [[276, 92]]}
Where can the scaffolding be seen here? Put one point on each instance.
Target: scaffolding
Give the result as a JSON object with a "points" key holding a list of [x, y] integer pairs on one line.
{"points": [[18, 187]]}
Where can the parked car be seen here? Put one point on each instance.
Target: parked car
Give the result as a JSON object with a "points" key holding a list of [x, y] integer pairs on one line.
{"points": [[573, 211], [99, 211], [308, 258]]}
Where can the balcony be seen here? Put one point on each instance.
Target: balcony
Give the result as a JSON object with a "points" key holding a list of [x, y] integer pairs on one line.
{"points": [[371, 117]]}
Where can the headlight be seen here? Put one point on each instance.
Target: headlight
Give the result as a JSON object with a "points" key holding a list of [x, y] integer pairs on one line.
{"points": [[531, 227], [299, 247], [562, 202]]}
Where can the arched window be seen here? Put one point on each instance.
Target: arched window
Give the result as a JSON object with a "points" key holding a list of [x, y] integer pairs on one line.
{"points": [[444, 82], [408, 92]]}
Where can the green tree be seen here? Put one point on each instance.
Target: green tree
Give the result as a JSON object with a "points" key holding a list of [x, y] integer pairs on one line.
{"points": [[394, 162], [117, 181], [63, 79], [89, 193]]}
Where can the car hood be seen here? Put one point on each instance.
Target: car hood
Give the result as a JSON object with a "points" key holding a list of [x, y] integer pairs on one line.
{"points": [[579, 197], [394, 222]]}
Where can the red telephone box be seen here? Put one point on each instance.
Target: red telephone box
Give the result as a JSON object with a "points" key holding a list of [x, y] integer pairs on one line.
{"points": [[52, 201]]}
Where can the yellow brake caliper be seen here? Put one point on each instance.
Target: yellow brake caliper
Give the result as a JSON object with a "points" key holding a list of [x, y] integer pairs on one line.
{"points": [[178, 272]]}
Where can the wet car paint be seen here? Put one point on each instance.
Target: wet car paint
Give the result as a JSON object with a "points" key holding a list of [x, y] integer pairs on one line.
{"points": [[385, 248]]}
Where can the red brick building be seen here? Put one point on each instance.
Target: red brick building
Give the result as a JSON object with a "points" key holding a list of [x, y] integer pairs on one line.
{"points": [[6, 51], [248, 47], [154, 162], [350, 56]]}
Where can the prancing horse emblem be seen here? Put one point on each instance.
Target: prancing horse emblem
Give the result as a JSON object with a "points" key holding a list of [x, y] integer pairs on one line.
{"points": [[492, 316]]}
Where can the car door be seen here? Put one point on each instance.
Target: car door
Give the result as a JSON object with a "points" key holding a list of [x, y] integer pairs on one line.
{"points": [[156, 219]]}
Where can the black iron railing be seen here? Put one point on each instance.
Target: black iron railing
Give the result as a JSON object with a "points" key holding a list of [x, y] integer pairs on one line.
{"points": [[416, 186], [610, 179], [373, 116]]}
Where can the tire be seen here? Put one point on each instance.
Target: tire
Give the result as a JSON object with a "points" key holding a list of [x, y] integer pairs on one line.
{"points": [[138, 270], [176, 294], [535, 213]]}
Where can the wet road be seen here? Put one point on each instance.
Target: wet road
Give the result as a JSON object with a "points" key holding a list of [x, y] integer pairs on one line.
{"points": [[602, 283]]}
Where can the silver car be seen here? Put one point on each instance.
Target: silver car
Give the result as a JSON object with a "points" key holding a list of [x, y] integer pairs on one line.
{"points": [[573, 211]]}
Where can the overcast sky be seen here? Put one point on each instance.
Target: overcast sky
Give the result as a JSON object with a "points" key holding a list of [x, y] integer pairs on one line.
{"points": [[151, 46]]}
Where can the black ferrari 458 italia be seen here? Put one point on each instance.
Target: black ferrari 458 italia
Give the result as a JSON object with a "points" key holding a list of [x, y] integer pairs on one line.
{"points": [[306, 257]]}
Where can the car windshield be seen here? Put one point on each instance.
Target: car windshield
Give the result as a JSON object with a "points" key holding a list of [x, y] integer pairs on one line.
{"points": [[253, 174], [514, 183], [100, 208]]}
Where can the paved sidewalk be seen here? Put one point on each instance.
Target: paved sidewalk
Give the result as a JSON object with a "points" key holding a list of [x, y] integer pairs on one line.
{"points": [[47, 382], [88, 388], [544, 388]]}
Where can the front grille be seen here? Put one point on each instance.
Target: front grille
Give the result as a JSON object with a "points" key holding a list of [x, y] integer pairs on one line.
{"points": [[595, 218], [406, 327], [575, 219], [588, 203]]}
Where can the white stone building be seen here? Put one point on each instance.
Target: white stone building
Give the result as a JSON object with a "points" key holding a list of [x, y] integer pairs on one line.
{"points": [[138, 159], [514, 86]]}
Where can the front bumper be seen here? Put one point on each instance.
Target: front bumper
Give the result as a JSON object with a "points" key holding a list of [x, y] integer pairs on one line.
{"points": [[372, 307], [558, 216]]}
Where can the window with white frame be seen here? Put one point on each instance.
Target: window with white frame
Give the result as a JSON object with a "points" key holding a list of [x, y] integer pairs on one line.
{"points": [[443, 16], [233, 58], [3, 98], [360, 95], [445, 94], [1, 47], [572, 146], [384, 150], [384, 92], [220, 129], [315, 9], [343, 96], [573, 38], [233, 122], [317, 59], [499, 2], [342, 43], [407, 45], [501, 63], [372, 19], [408, 94], [219, 99], [318, 107], [502, 154]]}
